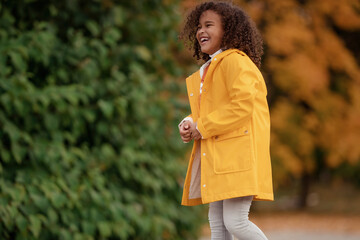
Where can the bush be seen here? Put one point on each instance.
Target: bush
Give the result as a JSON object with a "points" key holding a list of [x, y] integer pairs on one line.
{"points": [[89, 148]]}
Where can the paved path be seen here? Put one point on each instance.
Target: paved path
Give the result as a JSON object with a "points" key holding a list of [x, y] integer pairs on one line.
{"points": [[305, 226], [301, 235]]}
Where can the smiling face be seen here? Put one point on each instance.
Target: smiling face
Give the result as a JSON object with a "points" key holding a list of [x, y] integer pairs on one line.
{"points": [[210, 32]]}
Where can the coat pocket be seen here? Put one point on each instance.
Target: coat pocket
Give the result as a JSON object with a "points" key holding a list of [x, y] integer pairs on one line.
{"points": [[232, 152]]}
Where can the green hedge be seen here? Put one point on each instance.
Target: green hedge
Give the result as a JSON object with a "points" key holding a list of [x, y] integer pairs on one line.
{"points": [[88, 142]]}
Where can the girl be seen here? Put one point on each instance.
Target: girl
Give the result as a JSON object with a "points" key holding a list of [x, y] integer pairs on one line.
{"points": [[230, 162]]}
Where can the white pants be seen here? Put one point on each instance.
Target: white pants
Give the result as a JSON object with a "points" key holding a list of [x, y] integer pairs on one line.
{"points": [[231, 217]]}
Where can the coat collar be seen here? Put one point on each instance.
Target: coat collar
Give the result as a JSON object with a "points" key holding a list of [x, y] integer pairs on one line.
{"points": [[225, 53], [219, 57], [216, 60], [208, 62]]}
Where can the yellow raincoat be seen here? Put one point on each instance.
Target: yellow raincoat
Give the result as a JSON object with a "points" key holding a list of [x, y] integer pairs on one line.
{"points": [[232, 159]]}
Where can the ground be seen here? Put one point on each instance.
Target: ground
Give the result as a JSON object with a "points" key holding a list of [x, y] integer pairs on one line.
{"points": [[333, 214], [303, 225]]}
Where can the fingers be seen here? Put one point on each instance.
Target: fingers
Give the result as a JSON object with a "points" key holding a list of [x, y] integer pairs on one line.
{"points": [[186, 136], [185, 128], [188, 131], [192, 128], [186, 139], [185, 125], [194, 132], [185, 133], [198, 137]]}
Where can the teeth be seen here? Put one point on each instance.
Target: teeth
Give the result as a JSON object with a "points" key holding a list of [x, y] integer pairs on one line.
{"points": [[203, 39]]}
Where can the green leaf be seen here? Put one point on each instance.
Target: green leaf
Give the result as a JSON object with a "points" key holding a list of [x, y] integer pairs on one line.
{"points": [[119, 15], [88, 227], [40, 201], [5, 155], [93, 27], [21, 222], [104, 229], [17, 61], [107, 108], [58, 199], [89, 115], [143, 53], [53, 216], [16, 152], [65, 234], [107, 151], [96, 197], [51, 122], [17, 192], [112, 35], [35, 225]]}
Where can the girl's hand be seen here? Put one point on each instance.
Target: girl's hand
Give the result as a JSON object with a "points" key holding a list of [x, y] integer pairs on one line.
{"points": [[184, 130], [195, 134]]}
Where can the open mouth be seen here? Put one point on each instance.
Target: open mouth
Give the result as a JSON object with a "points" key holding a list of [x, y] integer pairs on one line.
{"points": [[204, 39]]}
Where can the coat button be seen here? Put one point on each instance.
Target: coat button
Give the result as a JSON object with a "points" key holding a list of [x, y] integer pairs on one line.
{"points": [[216, 137], [204, 154], [204, 185], [215, 59], [191, 94], [246, 132]]}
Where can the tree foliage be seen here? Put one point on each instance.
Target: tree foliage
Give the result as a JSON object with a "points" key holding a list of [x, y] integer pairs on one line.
{"points": [[87, 142]]}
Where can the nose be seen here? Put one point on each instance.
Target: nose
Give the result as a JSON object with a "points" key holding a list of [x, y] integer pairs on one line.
{"points": [[200, 30]]}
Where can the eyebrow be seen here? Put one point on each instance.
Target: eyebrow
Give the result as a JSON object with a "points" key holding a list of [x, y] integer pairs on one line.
{"points": [[208, 21]]}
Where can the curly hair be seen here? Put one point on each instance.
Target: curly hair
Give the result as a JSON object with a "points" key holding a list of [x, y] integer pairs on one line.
{"points": [[240, 31]]}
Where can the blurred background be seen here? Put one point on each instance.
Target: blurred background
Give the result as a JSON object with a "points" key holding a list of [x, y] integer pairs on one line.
{"points": [[91, 93]]}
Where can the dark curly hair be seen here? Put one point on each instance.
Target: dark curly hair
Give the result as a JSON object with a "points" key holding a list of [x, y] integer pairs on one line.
{"points": [[239, 30]]}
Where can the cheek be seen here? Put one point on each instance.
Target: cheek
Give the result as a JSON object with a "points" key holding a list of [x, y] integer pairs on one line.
{"points": [[197, 35], [218, 40], [220, 37], [198, 31]]}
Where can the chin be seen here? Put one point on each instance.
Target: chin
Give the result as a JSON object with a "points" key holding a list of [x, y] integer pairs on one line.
{"points": [[205, 51]]}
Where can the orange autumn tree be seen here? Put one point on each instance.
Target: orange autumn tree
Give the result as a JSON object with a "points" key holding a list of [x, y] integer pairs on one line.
{"points": [[311, 65]]}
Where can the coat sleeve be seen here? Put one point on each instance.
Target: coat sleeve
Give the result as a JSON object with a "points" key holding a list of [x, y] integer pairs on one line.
{"points": [[240, 76]]}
